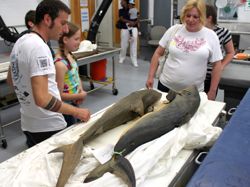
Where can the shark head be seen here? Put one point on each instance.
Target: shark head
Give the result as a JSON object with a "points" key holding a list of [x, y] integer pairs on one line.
{"points": [[149, 98], [189, 91]]}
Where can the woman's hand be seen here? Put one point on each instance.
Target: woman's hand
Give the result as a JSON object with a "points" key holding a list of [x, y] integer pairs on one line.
{"points": [[150, 83], [211, 95]]}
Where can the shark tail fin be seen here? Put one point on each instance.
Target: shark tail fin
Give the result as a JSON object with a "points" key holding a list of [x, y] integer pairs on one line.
{"points": [[117, 165], [71, 157]]}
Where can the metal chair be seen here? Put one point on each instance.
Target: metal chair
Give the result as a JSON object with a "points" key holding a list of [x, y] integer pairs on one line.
{"points": [[9, 34], [156, 34]]}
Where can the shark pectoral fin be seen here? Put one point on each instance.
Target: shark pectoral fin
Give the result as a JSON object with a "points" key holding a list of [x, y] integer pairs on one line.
{"points": [[138, 107], [71, 157], [149, 109], [119, 166], [171, 95]]}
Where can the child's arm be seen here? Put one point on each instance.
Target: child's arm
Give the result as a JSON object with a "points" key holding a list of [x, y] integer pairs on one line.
{"points": [[80, 91], [61, 70]]}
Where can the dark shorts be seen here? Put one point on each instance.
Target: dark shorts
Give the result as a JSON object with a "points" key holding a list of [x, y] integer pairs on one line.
{"points": [[207, 84], [34, 138], [162, 88], [70, 120]]}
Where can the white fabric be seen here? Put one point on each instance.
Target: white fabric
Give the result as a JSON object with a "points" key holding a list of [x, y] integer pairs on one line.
{"points": [[30, 57], [152, 162], [125, 40], [86, 45], [188, 55], [133, 12]]}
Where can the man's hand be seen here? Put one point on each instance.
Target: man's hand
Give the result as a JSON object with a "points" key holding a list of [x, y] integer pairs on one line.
{"points": [[82, 114]]}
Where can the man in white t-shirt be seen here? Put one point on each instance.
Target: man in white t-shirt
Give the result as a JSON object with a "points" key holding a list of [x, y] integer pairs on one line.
{"points": [[32, 73]]}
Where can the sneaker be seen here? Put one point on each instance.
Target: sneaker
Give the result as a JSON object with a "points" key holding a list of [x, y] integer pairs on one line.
{"points": [[135, 64]]}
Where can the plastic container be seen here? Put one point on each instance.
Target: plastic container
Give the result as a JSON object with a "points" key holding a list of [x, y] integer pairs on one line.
{"points": [[98, 70], [242, 56]]}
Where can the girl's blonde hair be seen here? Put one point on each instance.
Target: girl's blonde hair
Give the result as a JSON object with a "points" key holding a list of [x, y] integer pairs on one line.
{"points": [[201, 7]]}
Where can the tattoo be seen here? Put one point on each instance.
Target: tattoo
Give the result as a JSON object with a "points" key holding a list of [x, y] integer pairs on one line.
{"points": [[54, 105]]}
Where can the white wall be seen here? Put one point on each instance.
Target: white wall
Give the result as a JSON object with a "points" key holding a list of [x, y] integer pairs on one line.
{"points": [[13, 11], [150, 11]]}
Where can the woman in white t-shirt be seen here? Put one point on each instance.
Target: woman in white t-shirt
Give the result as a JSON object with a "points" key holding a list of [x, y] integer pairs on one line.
{"points": [[190, 48]]}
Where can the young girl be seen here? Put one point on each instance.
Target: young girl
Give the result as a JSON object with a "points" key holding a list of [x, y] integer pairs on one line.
{"points": [[67, 75]]}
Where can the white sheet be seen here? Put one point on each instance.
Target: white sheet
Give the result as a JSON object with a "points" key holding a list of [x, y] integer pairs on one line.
{"points": [[152, 162]]}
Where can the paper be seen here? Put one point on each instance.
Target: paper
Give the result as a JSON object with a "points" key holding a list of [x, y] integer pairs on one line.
{"points": [[85, 19], [103, 154]]}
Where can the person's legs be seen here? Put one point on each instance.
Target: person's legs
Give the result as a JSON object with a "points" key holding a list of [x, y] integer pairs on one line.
{"points": [[130, 32], [29, 140], [124, 44], [207, 85], [133, 47], [70, 120]]}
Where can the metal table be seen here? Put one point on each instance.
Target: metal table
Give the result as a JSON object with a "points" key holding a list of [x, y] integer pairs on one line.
{"points": [[20, 168], [101, 53]]}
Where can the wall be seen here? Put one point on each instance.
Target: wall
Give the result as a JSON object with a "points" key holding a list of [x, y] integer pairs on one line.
{"points": [[13, 11], [162, 13]]}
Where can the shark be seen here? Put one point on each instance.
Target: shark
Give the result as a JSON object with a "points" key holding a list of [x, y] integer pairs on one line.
{"points": [[182, 106], [135, 105]]}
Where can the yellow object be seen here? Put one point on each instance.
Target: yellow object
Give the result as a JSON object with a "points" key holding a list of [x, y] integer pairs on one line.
{"points": [[242, 56]]}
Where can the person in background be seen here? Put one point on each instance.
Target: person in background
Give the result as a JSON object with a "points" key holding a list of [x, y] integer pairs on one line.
{"points": [[125, 37], [225, 39], [191, 47], [133, 16], [67, 76], [30, 18], [32, 74]]}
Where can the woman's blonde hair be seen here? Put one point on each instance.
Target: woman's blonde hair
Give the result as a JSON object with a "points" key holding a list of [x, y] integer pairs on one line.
{"points": [[201, 7]]}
